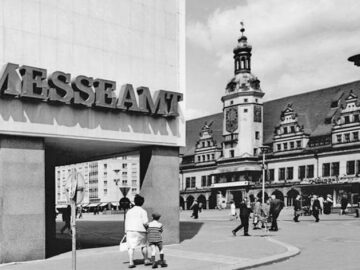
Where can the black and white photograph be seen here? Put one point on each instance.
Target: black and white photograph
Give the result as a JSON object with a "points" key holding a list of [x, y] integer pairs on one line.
{"points": [[179, 134]]}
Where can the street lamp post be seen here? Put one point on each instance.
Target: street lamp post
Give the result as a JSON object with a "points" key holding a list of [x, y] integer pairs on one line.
{"points": [[264, 149]]}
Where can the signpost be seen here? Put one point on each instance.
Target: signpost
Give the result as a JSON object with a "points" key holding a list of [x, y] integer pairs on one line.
{"points": [[75, 188], [264, 149]]}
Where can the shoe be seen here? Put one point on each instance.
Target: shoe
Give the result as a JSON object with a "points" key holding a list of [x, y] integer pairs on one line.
{"points": [[234, 233], [246, 234], [317, 220], [154, 265], [147, 262], [163, 264], [132, 266]]}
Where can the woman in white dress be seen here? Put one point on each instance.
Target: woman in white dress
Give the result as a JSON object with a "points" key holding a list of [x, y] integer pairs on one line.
{"points": [[135, 230]]}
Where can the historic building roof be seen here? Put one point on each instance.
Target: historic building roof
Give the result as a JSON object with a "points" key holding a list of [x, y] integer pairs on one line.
{"points": [[316, 113]]}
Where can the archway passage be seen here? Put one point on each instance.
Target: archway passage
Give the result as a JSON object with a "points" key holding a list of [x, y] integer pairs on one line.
{"points": [[278, 194], [212, 201], [189, 201], [291, 195], [202, 201], [182, 203], [259, 196]]}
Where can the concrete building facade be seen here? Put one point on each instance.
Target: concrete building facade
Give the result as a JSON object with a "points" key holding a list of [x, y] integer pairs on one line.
{"points": [[78, 83], [103, 180]]}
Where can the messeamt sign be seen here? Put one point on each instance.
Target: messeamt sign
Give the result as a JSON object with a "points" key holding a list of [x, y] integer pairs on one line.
{"points": [[32, 83]]}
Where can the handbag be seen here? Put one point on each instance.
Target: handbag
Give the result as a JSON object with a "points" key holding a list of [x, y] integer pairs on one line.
{"points": [[123, 245]]}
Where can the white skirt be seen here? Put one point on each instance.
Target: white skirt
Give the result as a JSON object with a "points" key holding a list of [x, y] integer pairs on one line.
{"points": [[136, 239]]}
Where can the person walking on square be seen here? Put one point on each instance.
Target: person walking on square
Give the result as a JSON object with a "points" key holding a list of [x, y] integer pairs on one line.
{"points": [[154, 231], [233, 214], [244, 217], [257, 214], [195, 208], [136, 218], [276, 206], [344, 202], [327, 205], [297, 208], [316, 208], [321, 200], [66, 217]]}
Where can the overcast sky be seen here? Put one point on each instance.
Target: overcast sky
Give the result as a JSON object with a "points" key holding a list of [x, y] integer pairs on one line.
{"points": [[298, 46]]}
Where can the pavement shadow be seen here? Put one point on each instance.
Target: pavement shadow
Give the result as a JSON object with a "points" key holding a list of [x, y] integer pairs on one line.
{"points": [[89, 234], [95, 234], [189, 229]]}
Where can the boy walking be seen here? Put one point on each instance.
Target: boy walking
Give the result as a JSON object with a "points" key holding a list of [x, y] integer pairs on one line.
{"points": [[154, 234]]}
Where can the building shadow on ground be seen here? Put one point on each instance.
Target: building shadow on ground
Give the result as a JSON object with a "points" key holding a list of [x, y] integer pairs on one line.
{"points": [[189, 229], [96, 234]]}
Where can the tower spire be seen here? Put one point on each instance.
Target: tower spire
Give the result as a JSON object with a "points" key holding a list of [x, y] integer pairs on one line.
{"points": [[242, 53]]}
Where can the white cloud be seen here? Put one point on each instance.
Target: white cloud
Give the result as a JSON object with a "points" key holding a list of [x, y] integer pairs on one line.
{"points": [[297, 45]]}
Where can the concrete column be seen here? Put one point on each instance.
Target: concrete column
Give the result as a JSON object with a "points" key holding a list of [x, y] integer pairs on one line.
{"points": [[207, 204], [50, 223], [159, 176], [334, 197], [22, 199]]}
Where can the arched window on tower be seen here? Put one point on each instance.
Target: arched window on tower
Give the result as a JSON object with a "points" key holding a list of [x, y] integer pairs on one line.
{"points": [[242, 63]]}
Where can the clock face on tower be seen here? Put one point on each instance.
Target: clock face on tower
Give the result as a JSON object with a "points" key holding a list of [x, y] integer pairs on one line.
{"points": [[231, 116]]}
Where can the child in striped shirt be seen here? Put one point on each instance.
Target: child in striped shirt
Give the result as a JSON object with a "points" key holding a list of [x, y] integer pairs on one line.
{"points": [[154, 230]]}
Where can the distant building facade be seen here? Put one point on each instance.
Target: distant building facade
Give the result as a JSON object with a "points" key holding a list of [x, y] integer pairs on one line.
{"points": [[313, 142], [103, 180]]}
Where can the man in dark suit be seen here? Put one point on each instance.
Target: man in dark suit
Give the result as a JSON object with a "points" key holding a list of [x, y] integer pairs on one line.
{"points": [[297, 208], [316, 208], [275, 207], [244, 217]]}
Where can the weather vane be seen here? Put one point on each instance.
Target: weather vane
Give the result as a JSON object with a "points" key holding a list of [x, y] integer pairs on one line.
{"points": [[242, 30]]}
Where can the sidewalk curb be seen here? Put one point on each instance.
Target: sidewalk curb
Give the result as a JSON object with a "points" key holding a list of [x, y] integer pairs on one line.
{"points": [[253, 263]]}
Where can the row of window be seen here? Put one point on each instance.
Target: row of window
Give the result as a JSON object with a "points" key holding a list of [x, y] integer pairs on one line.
{"points": [[206, 144], [347, 119], [288, 173], [288, 145], [347, 137], [190, 182], [207, 157]]}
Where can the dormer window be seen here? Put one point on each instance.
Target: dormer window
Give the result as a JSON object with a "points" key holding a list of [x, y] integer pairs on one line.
{"points": [[245, 100], [292, 129], [347, 119], [298, 144], [285, 130], [285, 146], [338, 138], [279, 147], [292, 145], [203, 144]]}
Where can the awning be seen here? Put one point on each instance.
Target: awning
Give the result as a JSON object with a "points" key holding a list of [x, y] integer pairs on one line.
{"points": [[103, 204], [61, 206], [93, 204], [85, 205], [115, 203]]}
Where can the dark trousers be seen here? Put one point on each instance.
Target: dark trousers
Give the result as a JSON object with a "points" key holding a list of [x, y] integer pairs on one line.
{"points": [[66, 226], [316, 215], [244, 223], [274, 225]]}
